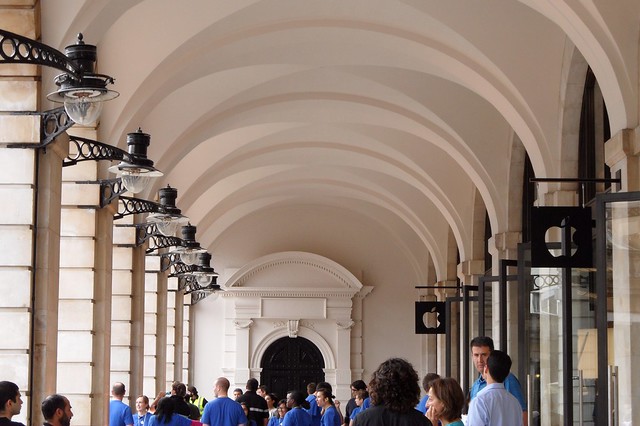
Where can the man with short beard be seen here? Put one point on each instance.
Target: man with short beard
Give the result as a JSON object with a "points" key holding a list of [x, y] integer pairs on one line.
{"points": [[56, 410]]}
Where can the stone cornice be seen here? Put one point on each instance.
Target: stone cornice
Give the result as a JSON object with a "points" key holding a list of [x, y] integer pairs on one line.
{"points": [[289, 292]]}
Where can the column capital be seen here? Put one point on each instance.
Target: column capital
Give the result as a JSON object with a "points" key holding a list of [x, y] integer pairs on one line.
{"points": [[443, 293], [469, 270], [504, 241]]}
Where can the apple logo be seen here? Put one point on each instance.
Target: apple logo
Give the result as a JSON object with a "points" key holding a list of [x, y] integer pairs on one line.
{"points": [[553, 240], [430, 318]]}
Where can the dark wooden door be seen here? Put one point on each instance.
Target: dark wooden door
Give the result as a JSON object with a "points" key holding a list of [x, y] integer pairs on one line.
{"points": [[290, 364]]}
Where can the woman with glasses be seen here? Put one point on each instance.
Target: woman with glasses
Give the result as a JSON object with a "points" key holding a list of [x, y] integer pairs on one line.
{"points": [[281, 410]]}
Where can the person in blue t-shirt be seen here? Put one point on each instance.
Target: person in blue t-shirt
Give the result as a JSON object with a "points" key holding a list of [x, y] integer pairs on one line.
{"points": [[223, 411], [481, 348], [297, 414], [280, 413], [330, 415], [314, 410], [360, 396], [141, 418], [119, 412]]}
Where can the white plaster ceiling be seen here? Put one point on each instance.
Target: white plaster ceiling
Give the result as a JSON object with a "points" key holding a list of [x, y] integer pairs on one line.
{"points": [[397, 113]]}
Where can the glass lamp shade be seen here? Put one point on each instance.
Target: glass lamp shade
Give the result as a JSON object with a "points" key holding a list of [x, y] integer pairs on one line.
{"points": [[204, 279], [83, 110], [189, 257], [167, 227], [135, 181]]}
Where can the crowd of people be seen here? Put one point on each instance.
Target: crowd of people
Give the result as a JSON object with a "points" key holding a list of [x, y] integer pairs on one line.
{"points": [[391, 398]]}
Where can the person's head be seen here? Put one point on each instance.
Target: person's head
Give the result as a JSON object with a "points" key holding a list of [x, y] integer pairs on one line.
{"points": [[165, 410], [446, 399], [263, 391], [221, 387], [311, 388], [10, 399], [359, 396], [498, 366], [118, 390], [295, 399], [237, 393], [324, 398], [192, 392], [179, 389], [481, 347], [427, 380], [356, 386], [395, 385], [271, 401], [282, 408], [56, 410], [324, 385], [142, 403], [252, 385]]}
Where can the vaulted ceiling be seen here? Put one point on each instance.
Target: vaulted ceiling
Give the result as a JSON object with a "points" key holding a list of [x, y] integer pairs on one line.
{"points": [[304, 124]]}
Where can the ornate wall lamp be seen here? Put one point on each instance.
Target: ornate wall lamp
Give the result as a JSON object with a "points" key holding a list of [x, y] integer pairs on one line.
{"points": [[80, 89]]}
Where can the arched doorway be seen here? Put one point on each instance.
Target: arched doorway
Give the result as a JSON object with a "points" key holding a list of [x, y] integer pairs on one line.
{"points": [[289, 364]]}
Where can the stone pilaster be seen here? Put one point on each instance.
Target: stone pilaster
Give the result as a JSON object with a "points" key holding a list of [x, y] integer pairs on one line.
{"points": [[621, 155], [187, 332], [170, 333], [442, 294], [154, 319], [357, 314]]}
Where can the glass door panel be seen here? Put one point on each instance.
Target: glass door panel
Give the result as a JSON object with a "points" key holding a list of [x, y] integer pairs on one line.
{"points": [[621, 331], [558, 322]]}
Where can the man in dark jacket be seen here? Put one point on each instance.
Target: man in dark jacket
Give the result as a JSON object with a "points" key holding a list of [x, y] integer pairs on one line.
{"points": [[258, 409]]}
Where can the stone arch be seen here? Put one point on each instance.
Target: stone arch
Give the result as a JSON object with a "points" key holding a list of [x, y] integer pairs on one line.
{"points": [[309, 334]]}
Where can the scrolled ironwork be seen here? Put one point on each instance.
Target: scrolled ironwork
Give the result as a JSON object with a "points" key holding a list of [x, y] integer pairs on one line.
{"points": [[110, 189], [157, 242], [543, 281], [18, 49], [131, 205], [88, 149], [52, 124]]}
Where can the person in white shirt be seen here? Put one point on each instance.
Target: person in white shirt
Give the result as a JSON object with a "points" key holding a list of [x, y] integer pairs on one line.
{"points": [[494, 405]]}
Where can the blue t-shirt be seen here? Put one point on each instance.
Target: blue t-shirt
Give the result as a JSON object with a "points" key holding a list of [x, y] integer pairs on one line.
{"points": [[176, 420], [330, 417], [141, 421], [274, 421], [422, 405], [366, 404], [297, 417], [314, 411], [354, 413], [511, 384], [223, 411], [119, 413]]}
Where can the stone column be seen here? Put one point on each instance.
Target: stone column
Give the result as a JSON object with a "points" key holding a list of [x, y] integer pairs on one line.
{"points": [[621, 155], [187, 331], [155, 306], [442, 294], [505, 246], [170, 332]]}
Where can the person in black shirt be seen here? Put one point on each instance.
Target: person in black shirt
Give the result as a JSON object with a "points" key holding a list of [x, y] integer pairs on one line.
{"points": [[56, 410], [178, 394], [394, 393], [351, 404], [258, 409], [10, 403]]}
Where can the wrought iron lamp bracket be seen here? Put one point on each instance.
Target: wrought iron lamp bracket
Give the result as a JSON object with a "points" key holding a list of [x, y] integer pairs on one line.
{"points": [[88, 149], [18, 49], [52, 124], [132, 205]]}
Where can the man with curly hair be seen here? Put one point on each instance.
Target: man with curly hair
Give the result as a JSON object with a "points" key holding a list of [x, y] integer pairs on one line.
{"points": [[394, 393]]}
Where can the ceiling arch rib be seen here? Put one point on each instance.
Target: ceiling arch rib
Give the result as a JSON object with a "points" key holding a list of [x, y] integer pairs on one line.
{"points": [[246, 161], [426, 59], [398, 220]]}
